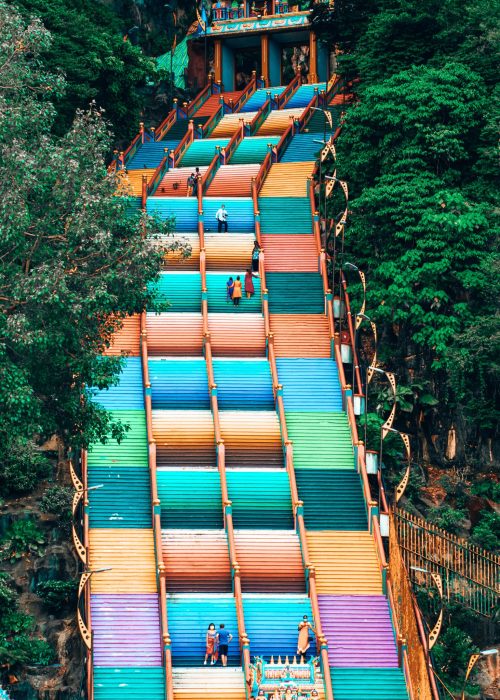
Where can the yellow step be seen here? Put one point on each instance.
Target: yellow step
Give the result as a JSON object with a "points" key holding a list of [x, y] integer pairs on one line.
{"points": [[287, 180], [346, 562], [131, 556]]}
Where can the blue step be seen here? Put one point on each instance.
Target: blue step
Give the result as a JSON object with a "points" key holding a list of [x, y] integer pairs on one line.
{"points": [[183, 210], [239, 209], [150, 155], [128, 393], [271, 623], [303, 147], [124, 501], [189, 616], [259, 97], [285, 215], [244, 385], [310, 385], [304, 95], [179, 384]]}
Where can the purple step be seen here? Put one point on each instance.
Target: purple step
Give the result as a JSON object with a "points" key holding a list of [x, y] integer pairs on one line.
{"points": [[359, 631], [126, 630]]}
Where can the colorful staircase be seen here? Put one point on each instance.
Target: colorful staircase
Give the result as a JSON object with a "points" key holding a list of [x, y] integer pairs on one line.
{"points": [[261, 506]]}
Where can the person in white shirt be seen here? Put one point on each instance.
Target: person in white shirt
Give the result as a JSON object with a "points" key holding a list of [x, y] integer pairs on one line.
{"points": [[221, 216]]}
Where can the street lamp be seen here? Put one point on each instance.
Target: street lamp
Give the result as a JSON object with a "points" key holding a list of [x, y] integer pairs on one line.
{"points": [[474, 658], [355, 364], [438, 581]]}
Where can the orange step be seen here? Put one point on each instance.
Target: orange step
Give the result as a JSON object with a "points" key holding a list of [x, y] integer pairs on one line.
{"points": [[184, 438], [175, 260], [252, 438], [126, 341], [233, 181], [237, 336], [196, 560], [300, 335], [287, 180], [230, 123], [174, 182], [130, 181], [212, 104], [174, 334], [270, 561], [225, 251], [131, 556], [346, 562], [278, 121], [290, 253], [209, 683]]}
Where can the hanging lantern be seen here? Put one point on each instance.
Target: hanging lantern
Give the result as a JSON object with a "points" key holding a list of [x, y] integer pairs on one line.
{"points": [[338, 307], [359, 404], [371, 457]]}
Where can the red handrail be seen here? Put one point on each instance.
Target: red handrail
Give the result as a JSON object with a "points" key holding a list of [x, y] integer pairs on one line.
{"points": [[214, 119], [156, 178], [233, 144], [201, 97], [209, 173], [155, 502], [183, 145]]}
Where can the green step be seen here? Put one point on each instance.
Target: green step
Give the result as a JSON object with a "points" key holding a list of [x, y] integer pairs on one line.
{"points": [[372, 683], [253, 149], [190, 498], [132, 451], [129, 683], [260, 499], [285, 215], [124, 501], [320, 440], [295, 293], [201, 152], [333, 499]]}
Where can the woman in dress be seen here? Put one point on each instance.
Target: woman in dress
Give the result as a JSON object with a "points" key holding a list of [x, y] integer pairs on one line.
{"points": [[303, 643], [211, 646], [237, 291], [229, 290], [249, 288]]}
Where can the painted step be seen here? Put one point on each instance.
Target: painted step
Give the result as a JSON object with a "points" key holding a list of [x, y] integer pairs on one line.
{"points": [[270, 561], [228, 251], [252, 439], [174, 334], [310, 384], [179, 383], [360, 629], [333, 499], [288, 180], [189, 498], [233, 180], [240, 214], [209, 682], [182, 210], [320, 440], [132, 451], [303, 147], [174, 182], [196, 560], [373, 683], [126, 630], [128, 393], [129, 683], [346, 563], [253, 149], [150, 155], [261, 96], [189, 615], [127, 339], [271, 622], [175, 260], [243, 384], [234, 335], [304, 94], [230, 123], [300, 335], [295, 293], [117, 549], [218, 301], [184, 438], [293, 253], [124, 501], [278, 217], [278, 121], [129, 182], [179, 128], [260, 497], [201, 152]]}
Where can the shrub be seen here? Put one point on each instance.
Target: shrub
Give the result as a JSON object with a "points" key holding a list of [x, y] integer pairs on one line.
{"points": [[57, 500], [58, 594], [448, 518], [22, 468], [24, 537], [486, 533], [23, 649]]}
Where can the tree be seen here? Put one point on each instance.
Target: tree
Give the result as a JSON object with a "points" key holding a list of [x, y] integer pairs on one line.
{"points": [[76, 259]]}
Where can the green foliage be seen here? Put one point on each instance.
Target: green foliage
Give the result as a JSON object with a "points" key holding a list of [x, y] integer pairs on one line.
{"points": [[58, 595], [74, 262], [23, 538], [448, 518], [486, 533], [452, 652], [97, 63], [488, 489], [58, 500]]}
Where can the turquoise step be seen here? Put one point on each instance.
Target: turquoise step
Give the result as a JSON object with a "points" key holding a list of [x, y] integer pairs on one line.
{"points": [[333, 499], [129, 683], [284, 215], [260, 499], [253, 149], [190, 498], [150, 155], [373, 683], [124, 501], [201, 152], [183, 211], [303, 147], [295, 293]]}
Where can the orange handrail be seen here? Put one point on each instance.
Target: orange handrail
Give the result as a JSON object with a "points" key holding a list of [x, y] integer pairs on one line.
{"points": [[209, 173], [89, 666], [156, 178], [182, 146], [233, 144], [155, 513]]}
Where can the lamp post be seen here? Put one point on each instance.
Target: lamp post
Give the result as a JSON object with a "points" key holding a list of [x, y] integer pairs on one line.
{"points": [[355, 364], [474, 658]]}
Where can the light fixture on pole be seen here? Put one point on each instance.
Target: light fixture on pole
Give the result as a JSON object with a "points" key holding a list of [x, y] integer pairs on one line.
{"points": [[438, 581], [358, 399], [83, 629], [474, 658]]}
